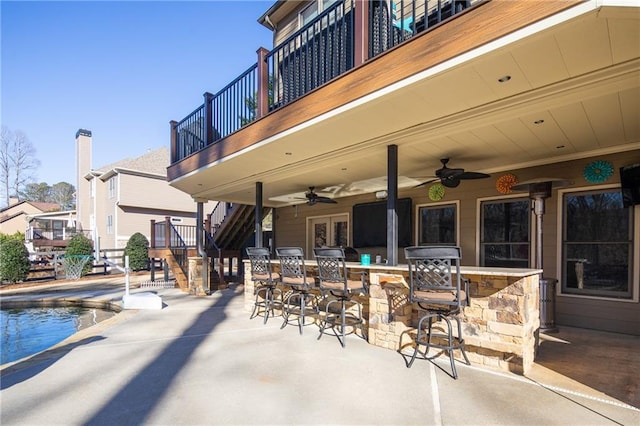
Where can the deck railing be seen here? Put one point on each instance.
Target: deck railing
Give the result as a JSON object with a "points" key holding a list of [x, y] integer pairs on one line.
{"points": [[35, 233], [320, 51], [317, 53]]}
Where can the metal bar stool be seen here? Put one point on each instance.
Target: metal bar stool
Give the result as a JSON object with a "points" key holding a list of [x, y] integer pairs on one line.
{"points": [[266, 282], [299, 301], [339, 289], [434, 289]]}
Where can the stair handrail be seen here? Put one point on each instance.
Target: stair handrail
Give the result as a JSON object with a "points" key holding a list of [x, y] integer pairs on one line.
{"points": [[218, 214], [178, 248]]}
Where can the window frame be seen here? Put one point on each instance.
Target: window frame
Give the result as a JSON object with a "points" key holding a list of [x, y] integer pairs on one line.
{"points": [[418, 222], [635, 246], [113, 186], [480, 228], [319, 8]]}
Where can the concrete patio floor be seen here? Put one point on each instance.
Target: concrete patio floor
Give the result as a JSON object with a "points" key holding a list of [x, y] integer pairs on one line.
{"points": [[201, 360]]}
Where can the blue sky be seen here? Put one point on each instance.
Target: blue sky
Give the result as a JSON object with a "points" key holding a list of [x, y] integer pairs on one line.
{"points": [[120, 69]]}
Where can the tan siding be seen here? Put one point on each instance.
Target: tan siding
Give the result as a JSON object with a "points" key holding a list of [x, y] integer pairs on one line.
{"points": [[582, 312], [286, 27], [138, 191]]}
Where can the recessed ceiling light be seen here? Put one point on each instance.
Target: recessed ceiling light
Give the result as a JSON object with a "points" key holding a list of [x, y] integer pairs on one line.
{"points": [[538, 122], [344, 169], [287, 153], [559, 146], [504, 78]]}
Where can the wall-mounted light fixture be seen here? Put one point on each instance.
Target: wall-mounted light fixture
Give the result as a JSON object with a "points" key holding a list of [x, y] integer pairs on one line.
{"points": [[381, 195]]}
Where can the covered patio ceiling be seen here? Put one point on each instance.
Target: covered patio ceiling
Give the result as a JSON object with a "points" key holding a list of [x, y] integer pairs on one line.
{"points": [[562, 89]]}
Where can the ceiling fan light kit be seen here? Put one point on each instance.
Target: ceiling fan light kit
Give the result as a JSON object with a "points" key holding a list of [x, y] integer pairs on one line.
{"points": [[312, 198]]}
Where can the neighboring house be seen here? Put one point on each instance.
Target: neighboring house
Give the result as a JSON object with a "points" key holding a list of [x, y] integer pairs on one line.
{"points": [[14, 218], [50, 231], [362, 99], [117, 200]]}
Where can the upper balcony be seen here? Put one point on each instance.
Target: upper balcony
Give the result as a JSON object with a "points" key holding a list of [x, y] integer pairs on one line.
{"points": [[501, 84], [325, 48]]}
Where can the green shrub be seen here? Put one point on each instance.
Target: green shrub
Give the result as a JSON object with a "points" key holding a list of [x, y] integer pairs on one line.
{"points": [[138, 251], [14, 260], [80, 245], [17, 236]]}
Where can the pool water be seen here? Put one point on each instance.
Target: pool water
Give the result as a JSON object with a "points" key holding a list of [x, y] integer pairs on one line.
{"points": [[31, 330]]}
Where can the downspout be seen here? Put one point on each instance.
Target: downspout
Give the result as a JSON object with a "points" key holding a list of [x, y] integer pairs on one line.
{"points": [[200, 245]]}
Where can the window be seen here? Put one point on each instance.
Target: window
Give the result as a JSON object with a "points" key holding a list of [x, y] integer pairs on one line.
{"points": [[437, 225], [597, 244], [112, 187], [309, 13], [109, 224], [504, 240]]}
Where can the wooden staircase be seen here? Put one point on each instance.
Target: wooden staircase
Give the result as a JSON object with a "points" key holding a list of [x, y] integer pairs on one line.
{"points": [[230, 227]]}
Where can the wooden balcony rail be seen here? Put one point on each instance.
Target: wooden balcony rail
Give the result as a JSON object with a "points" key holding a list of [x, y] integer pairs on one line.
{"points": [[35, 233]]}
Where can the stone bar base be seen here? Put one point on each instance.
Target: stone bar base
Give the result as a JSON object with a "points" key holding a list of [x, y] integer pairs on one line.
{"points": [[500, 325]]}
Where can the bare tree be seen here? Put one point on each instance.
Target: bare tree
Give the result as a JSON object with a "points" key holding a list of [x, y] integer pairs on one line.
{"points": [[5, 161], [17, 162]]}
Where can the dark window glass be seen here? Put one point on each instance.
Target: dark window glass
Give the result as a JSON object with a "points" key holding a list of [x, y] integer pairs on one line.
{"points": [[505, 233], [437, 225], [597, 244]]}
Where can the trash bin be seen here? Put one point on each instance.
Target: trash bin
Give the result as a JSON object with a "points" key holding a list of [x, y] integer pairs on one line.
{"points": [[548, 305]]}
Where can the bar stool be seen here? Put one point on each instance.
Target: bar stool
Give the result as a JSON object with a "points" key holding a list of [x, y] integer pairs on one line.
{"points": [[339, 289], [434, 289], [266, 282], [293, 272]]}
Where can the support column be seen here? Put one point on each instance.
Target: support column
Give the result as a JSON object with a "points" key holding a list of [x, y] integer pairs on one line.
{"points": [[258, 224], [392, 201], [202, 252]]}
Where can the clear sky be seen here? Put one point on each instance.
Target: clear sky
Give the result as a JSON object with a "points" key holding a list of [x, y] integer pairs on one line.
{"points": [[120, 69]]}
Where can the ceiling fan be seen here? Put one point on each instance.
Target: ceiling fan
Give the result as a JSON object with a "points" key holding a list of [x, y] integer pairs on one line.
{"points": [[313, 198], [451, 177]]}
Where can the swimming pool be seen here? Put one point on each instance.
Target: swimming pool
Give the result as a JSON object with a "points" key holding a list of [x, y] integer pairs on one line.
{"points": [[26, 331]]}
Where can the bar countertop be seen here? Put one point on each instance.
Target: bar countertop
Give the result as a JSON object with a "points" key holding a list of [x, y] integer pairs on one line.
{"points": [[470, 270]]}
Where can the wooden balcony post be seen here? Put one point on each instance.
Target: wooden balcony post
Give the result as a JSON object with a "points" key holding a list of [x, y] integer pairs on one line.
{"points": [[262, 101], [174, 141], [208, 118], [167, 232], [152, 234], [361, 32]]}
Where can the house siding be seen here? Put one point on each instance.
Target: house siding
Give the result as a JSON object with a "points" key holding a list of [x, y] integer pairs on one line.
{"points": [[609, 315], [152, 193]]}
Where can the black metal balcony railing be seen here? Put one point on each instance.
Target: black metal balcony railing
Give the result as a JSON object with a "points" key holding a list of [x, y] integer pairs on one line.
{"points": [[319, 52]]}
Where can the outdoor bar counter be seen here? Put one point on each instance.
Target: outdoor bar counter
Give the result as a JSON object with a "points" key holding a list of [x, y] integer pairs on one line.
{"points": [[500, 324]]}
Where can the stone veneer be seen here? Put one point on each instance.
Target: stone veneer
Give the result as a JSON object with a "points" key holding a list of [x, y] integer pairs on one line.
{"points": [[500, 325]]}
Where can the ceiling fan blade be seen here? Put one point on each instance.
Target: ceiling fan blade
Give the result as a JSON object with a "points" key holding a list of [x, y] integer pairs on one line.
{"points": [[327, 200], [431, 180], [472, 175]]}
